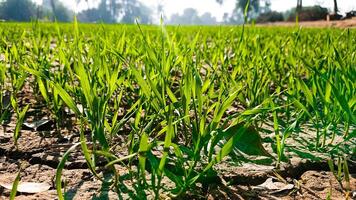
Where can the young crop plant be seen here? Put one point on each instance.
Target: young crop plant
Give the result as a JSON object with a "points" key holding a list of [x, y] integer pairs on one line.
{"points": [[178, 112], [156, 111], [4, 95]]}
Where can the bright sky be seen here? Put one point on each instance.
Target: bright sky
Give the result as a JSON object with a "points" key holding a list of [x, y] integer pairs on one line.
{"points": [[177, 6]]}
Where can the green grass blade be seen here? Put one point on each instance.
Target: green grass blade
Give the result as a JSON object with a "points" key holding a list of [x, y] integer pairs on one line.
{"points": [[60, 168], [14, 186]]}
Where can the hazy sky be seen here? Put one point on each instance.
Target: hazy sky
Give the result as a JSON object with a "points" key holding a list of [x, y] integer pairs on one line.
{"points": [[177, 6]]}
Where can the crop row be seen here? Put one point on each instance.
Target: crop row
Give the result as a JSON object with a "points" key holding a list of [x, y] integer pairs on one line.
{"points": [[184, 98]]}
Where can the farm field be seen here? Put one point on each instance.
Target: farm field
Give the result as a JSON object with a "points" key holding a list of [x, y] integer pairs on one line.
{"points": [[177, 112]]}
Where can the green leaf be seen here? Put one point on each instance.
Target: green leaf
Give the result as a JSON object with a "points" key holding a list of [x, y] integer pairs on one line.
{"points": [[14, 186], [308, 94], [142, 153], [171, 95], [219, 111], [66, 98], [37, 73], [178, 180], [167, 145], [277, 136], [343, 103], [120, 160], [327, 91], [346, 174], [254, 111], [302, 107], [85, 150], [60, 168], [246, 10], [352, 102], [20, 120], [85, 84], [245, 139], [43, 89]]}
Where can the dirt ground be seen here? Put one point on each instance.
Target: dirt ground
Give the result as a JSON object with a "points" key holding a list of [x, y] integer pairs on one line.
{"points": [[81, 185], [40, 150], [348, 23]]}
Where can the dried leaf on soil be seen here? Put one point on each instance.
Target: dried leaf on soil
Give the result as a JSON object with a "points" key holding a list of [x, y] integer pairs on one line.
{"points": [[28, 187]]}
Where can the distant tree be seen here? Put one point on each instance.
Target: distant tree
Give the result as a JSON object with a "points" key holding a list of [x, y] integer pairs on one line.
{"points": [[100, 14], [336, 9], [299, 5], [208, 19], [254, 5], [272, 16], [18, 10], [112, 11], [267, 7], [53, 6], [58, 11], [125, 9], [136, 10], [226, 18], [310, 13], [175, 19], [190, 16], [237, 14], [236, 17]]}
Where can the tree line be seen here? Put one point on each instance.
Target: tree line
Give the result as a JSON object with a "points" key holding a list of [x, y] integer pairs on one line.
{"points": [[108, 11], [26, 10], [127, 11]]}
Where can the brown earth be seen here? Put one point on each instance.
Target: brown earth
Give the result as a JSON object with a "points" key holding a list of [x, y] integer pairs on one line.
{"points": [[348, 23]]}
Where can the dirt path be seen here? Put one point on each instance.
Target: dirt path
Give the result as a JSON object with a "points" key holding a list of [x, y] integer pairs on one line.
{"points": [[348, 23]]}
